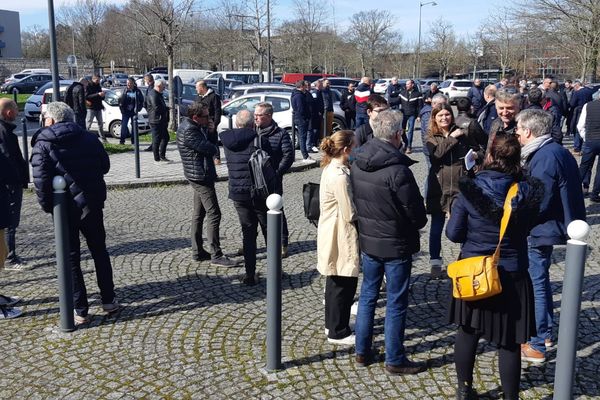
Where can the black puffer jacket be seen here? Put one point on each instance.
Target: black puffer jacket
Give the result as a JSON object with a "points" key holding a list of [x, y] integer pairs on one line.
{"points": [[94, 100], [282, 152], [158, 113], [9, 147], [388, 203], [4, 177], [239, 145], [68, 150], [363, 134], [196, 152], [75, 98]]}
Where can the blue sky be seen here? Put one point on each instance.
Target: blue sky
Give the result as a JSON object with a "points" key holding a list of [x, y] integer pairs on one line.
{"points": [[465, 15]]}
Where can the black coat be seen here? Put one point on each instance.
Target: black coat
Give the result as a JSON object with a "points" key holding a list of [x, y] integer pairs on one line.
{"points": [[5, 171], [300, 105], [131, 107], [75, 98], [411, 102], [196, 152], [238, 145], [478, 209], [388, 203], [363, 134], [158, 113], [93, 98], [68, 150], [282, 152], [347, 101], [213, 102], [9, 147]]}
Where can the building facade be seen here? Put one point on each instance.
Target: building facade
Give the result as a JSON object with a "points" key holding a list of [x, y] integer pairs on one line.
{"points": [[10, 35]]}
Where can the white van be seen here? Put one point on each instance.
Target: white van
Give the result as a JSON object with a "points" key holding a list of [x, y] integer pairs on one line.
{"points": [[35, 71], [191, 75], [243, 76]]}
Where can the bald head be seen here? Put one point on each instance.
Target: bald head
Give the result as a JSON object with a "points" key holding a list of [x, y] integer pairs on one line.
{"points": [[244, 119], [8, 110]]}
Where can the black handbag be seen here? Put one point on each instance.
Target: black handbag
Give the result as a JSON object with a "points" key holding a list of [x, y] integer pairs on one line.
{"points": [[310, 195]]}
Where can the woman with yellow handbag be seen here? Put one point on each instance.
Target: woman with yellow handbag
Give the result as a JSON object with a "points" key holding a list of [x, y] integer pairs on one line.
{"points": [[505, 319]]}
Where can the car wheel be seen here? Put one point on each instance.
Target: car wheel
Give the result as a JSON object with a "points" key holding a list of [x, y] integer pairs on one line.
{"points": [[115, 129], [338, 124]]}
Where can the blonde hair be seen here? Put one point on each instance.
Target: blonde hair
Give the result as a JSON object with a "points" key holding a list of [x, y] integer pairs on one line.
{"points": [[333, 146]]}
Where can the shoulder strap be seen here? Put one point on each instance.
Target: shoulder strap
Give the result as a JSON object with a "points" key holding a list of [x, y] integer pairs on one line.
{"points": [[257, 141], [512, 192]]}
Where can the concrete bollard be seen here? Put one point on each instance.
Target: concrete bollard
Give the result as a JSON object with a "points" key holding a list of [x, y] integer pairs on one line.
{"points": [[136, 145], [25, 147], [570, 306], [61, 237], [274, 223]]}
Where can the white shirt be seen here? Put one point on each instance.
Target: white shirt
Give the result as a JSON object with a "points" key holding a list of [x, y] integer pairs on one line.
{"points": [[581, 122]]}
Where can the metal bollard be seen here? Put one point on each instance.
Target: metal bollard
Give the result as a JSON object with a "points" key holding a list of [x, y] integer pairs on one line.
{"points": [[15, 92], [274, 222], [25, 147], [323, 133], [230, 121], [294, 133], [136, 145], [61, 237], [570, 306]]}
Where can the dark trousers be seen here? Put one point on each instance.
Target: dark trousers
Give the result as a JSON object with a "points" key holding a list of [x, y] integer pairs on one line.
{"points": [[350, 116], [80, 120], [91, 225], [251, 214], [213, 137], [206, 205], [15, 199], [589, 151], [125, 118], [303, 140], [339, 296], [160, 139], [509, 362]]}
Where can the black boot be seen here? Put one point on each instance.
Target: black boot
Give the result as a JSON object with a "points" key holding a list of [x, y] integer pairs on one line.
{"points": [[466, 392]]}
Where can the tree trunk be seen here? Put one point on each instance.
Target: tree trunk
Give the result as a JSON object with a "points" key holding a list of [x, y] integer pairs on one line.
{"points": [[173, 111]]}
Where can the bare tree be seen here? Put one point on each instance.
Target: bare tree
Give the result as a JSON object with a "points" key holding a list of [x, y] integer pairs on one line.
{"points": [[442, 45], [575, 24], [372, 34], [499, 36], [310, 18], [35, 42], [87, 18], [164, 21]]}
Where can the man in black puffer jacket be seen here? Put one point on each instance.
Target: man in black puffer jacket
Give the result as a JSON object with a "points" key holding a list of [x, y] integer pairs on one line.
{"points": [[64, 148], [390, 212], [75, 98], [282, 155], [239, 144], [197, 154]]}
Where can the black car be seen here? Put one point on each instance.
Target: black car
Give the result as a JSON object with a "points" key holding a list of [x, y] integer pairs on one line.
{"points": [[29, 84]]}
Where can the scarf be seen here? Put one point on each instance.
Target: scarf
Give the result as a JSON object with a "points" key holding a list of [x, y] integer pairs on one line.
{"points": [[532, 146], [267, 130]]}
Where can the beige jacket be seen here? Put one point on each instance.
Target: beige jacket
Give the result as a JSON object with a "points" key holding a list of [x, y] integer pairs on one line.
{"points": [[337, 238]]}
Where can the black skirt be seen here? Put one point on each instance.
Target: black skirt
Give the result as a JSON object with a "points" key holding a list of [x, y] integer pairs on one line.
{"points": [[504, 319]]}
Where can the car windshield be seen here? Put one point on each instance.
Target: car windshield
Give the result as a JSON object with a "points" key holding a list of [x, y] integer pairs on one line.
{"points": [[382, 81], [463, 84], [121, 76], [111, 98]]}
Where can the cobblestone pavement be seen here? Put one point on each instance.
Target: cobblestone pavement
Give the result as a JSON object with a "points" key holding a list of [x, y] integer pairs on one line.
{"points": [[194, 331]]}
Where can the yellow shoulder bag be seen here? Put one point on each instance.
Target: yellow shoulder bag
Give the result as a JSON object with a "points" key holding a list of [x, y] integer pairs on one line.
{"points": [[477, 278]]}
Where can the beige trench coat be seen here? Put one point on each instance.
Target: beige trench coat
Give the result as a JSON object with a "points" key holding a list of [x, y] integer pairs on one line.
{"points": [[337, 237]]}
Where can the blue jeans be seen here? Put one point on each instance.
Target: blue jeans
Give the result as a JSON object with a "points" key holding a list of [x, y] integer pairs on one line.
{"points": [[361, 119], [124, 128], [539, 265], [397, 272], [410, 121], [302, 126], [435, 235], [577, 142], [590, 150]]}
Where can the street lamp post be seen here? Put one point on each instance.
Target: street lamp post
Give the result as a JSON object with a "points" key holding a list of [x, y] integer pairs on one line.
{"points": [[418, 58]]}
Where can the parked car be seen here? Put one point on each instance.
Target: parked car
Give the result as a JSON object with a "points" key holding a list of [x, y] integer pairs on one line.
{"points": [[342, 83], [282, 110], [244, 76], [425, 84], [292, 78], [241, 90], [111, 115], [33, 105], [455, 88], [29, 84], [381, 85], [116, 80]]}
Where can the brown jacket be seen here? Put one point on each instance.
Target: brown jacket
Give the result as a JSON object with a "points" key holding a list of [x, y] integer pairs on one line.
{"points": [[337, 237]]}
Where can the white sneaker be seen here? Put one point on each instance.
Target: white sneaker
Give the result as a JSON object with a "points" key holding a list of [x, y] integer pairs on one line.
{"points": [[354, 308], [315, 149], [350, 325], [9, 313], [348, 340]]}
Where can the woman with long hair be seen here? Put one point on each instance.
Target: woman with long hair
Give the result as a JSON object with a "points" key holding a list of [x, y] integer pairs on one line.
{"points": [[337, 237], [506, 319], [447, 147]]}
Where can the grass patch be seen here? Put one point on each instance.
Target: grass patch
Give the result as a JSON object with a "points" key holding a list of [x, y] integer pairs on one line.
{"points": [[172, 136], [21, 99], [117, 148]]}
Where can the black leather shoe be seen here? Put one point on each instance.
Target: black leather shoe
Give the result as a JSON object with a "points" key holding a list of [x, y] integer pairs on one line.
{"points": [[363, 360], [249, 280], [148, 148], [465, 392], [202, 256], [408, 368]]}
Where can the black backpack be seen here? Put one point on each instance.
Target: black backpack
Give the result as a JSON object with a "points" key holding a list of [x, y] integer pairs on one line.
{"points": [[262, 172], [310, 195]]}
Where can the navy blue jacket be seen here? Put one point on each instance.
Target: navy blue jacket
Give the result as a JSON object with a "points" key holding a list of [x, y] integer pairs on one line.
{"points": [[68, 150], [478, 209], [487, 116], [361, 95], [196, 152], [300, 106], [563, 199], [580, 97], [238, 145], [475, 94], [389, 206]]}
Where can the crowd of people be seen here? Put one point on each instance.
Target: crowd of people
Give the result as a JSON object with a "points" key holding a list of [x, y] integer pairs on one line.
{"points": [[371, 207]]}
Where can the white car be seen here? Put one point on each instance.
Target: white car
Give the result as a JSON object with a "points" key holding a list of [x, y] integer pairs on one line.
{"points": [[33, 105], [381, 85], [455, 88], [111, 115], [282, 110]]}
